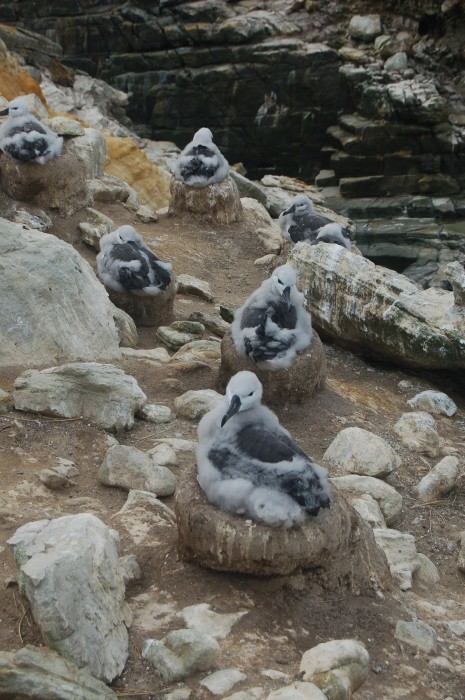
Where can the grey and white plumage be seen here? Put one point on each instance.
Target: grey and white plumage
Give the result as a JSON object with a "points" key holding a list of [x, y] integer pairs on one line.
{"points": [[126, 264], [273, 325], [333, 233], [248, 463], [25, 138], [300, 222], [201, 163]]}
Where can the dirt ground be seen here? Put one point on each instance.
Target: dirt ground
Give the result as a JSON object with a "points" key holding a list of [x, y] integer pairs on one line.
{"points": [[285, 615]]}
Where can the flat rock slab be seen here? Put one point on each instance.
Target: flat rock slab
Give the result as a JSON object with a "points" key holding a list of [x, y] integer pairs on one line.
{"points": [[326, 545], [305, 377], [147, 310], [218, 204], [101, 393], [377, 311]]}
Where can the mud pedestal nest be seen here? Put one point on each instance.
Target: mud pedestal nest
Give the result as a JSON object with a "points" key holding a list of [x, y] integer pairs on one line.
{"points": [[217, 204], [336, 547], [303, 379], [147, 310]]}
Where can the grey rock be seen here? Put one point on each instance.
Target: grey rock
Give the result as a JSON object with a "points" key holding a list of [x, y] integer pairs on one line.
{"points": [[53, 480], [194, 404], [433, 402], [70, 573], [213, 323], [426, 576], [401, 553], [71, 317], [369, 510], [42, 674], [389, 500], [256, 693], [146, 214], [417, 634], [418, 433], [108, 188], [219, 682], [159, 355], [130, 568], [191, 285], [178, 694], [201, 617], [64, 126], [455, 273], [97, 226], [461, 556], [337, 667], [130, 468], [173, 338], [6, 402], [36, 219], [198, 350], [457, 627], [182, 653], [163, 454], [147, 500], [396, 63], [439, 481], [365, 27], [298, 691], [359, 451], [193, 327], [155, 413], [102, 393]]}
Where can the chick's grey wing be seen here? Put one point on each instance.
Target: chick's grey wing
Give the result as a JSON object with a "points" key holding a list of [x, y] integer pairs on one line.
{"points": [[130, 278]]}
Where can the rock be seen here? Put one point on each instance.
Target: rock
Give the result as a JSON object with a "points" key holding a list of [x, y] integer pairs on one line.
{"points": [[37, 219], [108, 188], [147, 310], [178, 444], [260, 224], [178, 694], [433, 402], [194, 404], [219, 682], [198, 350], [201, 617], [401, 553], [93, 230], [64, 126], [303, 379], [127, 331], [214, 324], [148, 501], [159, 355], [369, 510], [389, 500], [417, 634], [101, 393], [130, 468], [397, 63], [267, 261], [146, 214], [163, 454], [43, 674], [53, 480], [426, 576], [377, 311], [365, 27], [192, 327], [182, 653], [198, 288], [216, 204], [417, 432], [461, 557], [338, 667], [249, 694], [130, 569], [63, 184], [155, 413], [360, 452], [71, 317], [439, 481], [83, 620], [457, 627], [324, 545], [298, 691], [455, 274], [6, 402]]}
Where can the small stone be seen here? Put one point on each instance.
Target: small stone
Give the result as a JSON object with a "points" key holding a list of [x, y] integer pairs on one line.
{"points": [[457, 627], [401, 553], [299, 691], [389, 500], [178, 444], [131, 569], [53, 480], [163, 454], [227, 313], [66, 468], [249, 694], [194, 404], [441, 662], [365, 27], [266, 260], [461, 557], [417, 634], [172, 338], [203, 618], [396, 63], [341, 665], [369, 510], [65, 127], [214, 324], [146, 214], [130, 468], [192, 327], [418, 433], [221, 681], [198, 350], [182, 653], [154, 355], [360, 452], [426, 576], [191, 285], [147, 501], [439, 481], [155, 413], [6, 402], [179, 694], [433, 402]]}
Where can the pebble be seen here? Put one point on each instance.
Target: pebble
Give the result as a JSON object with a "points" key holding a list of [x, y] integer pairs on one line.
{"points": [[439, 481], [172, 338], [418, 433], [131, 568], [298, 691], [342, 664], [417, 634], [220, 682], [433, 402], [53, 480], [401, 554], [389, 500], [359, 451], [179, 694], [457, 627], [194, 404], [369, 510], [147, 501], [191, 285], [203, 618], [256, 693], [163, 454], [182, 653], [155, 413], [213, 323], [6, 402], [130, 468], [198, 350]]}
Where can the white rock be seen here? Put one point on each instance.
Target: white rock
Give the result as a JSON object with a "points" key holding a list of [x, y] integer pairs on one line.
{"points": [[130, 568], [358, 451], [368, 508], [147, 500], [401, 553], [418, 433], [179, 694], [194, 404], [457, 627], [178, 444], [219, 682], [203, 618], [439, 481], [396, 63], [198, 350], [155, 413], [182, 653], [71, 317], [441, 662], [341, 664], [191, 285], [365, 27], [417, 634], [102, 393], [298, 691], [389, 500], [433, 402], [426, 576], [130, 468], [163, 454], [153, 355], [71, 575], [249, 694]]}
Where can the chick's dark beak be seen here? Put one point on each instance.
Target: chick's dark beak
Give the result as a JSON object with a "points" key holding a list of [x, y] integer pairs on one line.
{"points": [[4, 112], [291, 210], [287, 294], [234, 406]]}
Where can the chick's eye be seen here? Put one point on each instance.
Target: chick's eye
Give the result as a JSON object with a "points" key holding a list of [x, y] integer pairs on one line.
{"points": [[279, 281], [251, 394]]}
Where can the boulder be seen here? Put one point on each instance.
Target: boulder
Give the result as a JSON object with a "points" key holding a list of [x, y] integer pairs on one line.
{"points": [[417, 634], [147, 310], [401, 553], [417, 431], [389, 500], [102, 393], [71, 576], [216, 204], [433, 402], [182, 653], [336, 547], [191, 285], [130, 468], [338, 667], [365, 27], [303, 379], [358, 451], [377, 311], [62, 183], [439, 481], [48, 676], [194, 404], [71, 317]]}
